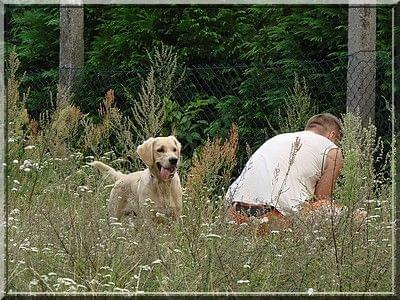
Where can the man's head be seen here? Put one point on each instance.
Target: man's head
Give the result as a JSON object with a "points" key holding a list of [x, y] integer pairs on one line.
{"points": [[327, 125]]}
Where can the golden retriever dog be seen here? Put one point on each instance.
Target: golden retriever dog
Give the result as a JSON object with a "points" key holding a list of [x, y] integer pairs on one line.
{"points": [[158, 185]]}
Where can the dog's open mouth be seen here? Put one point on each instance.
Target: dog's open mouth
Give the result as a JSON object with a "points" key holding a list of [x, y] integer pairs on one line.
{"points": [[166, 173]]}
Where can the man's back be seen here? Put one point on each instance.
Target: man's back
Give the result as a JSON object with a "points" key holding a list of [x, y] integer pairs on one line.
{"points": [[283, 172]]}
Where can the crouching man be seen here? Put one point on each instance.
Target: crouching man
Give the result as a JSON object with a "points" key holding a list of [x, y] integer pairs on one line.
{"points": [[288, 173]]}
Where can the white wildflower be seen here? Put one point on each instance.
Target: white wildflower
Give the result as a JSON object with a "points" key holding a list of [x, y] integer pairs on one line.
{"points": [[82, 188], [373, 217], [34, 282], [94, 281], [243, 281], [116, 224], [15, 161], [213, 236], [369, 201], [146, 268], [68, 281], [29, 147], [158, 214], [81, 286], [116, 289], [118, 160], [157, 261], [310, 291], [27, 162]]}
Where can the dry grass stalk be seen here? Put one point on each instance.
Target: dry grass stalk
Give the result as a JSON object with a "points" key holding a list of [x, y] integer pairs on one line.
{"points": [[64, 128], [214, 162], [298, 108], [148, 110], [95, 134], [17, 113]]}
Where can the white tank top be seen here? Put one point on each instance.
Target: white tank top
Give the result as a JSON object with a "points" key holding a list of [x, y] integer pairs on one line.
{"points": [[269, 178]]}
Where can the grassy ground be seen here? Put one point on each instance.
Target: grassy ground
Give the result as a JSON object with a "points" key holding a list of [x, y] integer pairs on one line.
{"points": [[59, 239]]}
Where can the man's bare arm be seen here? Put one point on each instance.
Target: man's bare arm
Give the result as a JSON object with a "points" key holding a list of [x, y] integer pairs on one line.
{"points": [[330, 174]]}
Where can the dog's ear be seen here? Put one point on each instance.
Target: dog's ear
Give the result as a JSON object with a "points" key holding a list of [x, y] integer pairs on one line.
{"points": [[145, 152], [177, 144]]}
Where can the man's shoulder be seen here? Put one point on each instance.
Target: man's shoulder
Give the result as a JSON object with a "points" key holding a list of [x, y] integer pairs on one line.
{"points": [[312, 136], [288, 135], [306, 137]]}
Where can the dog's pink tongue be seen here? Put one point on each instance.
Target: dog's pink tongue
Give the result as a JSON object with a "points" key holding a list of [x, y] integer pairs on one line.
{"points": [[165, 173]]}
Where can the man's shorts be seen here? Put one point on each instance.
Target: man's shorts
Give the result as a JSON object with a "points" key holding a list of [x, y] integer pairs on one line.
{"points": [[242, 213]]}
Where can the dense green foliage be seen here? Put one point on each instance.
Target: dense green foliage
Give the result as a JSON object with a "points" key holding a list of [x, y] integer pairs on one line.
{"points": [[251, 56], [118, 36]]}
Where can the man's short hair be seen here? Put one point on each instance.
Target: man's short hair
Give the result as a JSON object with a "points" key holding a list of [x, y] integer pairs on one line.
{"points": [[325, 122]]}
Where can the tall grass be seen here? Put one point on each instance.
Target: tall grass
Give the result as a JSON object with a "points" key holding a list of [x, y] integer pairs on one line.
{"points": [[59, 239]]}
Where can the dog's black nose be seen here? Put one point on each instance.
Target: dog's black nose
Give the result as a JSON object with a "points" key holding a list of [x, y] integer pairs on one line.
{"points": [[173, 160]]}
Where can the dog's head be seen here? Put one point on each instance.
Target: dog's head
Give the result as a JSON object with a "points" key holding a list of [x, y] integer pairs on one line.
{"points": [[161, 155]]}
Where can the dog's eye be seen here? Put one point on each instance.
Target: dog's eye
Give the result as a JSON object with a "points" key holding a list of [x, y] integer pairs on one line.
{"points": [[160, 149], [174, 149]]}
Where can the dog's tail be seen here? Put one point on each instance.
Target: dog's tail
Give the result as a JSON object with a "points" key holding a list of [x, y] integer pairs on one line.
{"points": [[107, 170]]}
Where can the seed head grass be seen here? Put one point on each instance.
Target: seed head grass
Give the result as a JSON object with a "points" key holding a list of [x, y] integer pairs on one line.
{"points": [[60, 239]]}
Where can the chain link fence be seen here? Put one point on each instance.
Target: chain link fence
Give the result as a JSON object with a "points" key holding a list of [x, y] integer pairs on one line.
{"points": [[254, 96]]}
